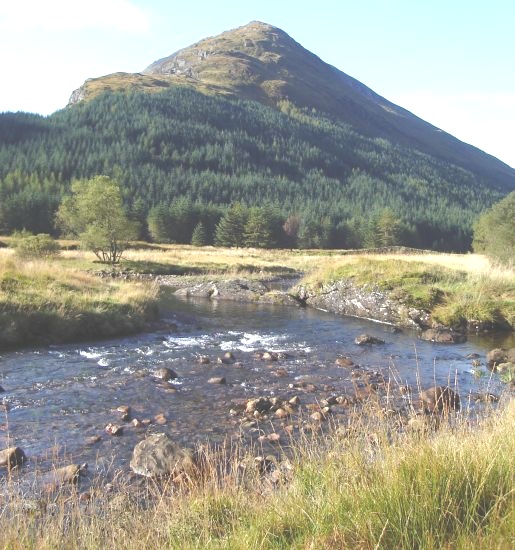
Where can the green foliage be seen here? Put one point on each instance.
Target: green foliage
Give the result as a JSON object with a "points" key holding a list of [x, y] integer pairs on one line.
{"points": [[258, 230], [199, 235], [41, 246], [94, 213], [494, 232], [183, 148], [230, 230]]}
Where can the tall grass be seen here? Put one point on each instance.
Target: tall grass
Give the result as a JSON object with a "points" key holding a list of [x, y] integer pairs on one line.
{"points": [[42, 302], [372, 487]]}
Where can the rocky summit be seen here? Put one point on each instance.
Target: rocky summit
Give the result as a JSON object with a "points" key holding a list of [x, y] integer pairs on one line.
{"points": [[261, 62]]}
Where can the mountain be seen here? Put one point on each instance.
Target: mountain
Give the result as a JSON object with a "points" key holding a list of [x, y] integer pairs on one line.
{"points": [[250, 116], [263, 63]]}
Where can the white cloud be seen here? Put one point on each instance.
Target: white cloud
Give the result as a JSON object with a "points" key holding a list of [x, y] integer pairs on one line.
{"points": [[62, 15], [483, 119]]}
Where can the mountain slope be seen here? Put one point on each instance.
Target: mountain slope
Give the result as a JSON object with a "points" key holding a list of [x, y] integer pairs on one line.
{"points": [[261, 62], [250, 116]]}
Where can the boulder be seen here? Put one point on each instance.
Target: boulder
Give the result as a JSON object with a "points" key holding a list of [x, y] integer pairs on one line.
{"points": [[158, 456], [11, 457], [217, 380], [166, 374], [440, 399], [364, 339], [64, 476], [499, 356], [442, 336]]}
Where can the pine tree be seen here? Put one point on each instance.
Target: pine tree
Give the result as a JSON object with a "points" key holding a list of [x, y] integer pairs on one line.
{"points": [[199, 236], [230, 230], [258, 233]]}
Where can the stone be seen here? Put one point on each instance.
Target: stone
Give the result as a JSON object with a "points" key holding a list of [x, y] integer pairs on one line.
{"points": [[113, 429], [295, 401], [269, 356], [317, 416], [166, 374], [281, 413], [2, 389], [12, 456], [344, 362], [203, 360], [499, 356], [158, 456], [136, 423], [442, 336], [93, 440], [64, 476], [365, 339], [217, 380], [160, 419], [440, 399]]}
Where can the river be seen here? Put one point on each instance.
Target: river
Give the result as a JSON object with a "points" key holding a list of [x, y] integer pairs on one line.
{"points": [[57, 398]]}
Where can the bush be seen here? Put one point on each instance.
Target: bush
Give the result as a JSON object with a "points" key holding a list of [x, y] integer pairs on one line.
{"points": [[29, 246]]}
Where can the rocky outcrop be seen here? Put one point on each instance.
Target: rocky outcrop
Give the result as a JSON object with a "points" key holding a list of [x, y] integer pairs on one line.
{"points": [[346, 298], [158, 456], [237, 290], [367, 339]]}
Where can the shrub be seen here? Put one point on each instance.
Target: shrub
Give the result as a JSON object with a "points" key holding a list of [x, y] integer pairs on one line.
{"points": [[29, 246]]}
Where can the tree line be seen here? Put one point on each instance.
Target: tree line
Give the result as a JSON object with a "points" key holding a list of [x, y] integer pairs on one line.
{"points": [[185, 161]]}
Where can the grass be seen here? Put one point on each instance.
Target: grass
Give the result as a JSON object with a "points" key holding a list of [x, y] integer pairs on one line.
{"points": [[42, 302], [456, 289], [67, 303], [369, 487]]}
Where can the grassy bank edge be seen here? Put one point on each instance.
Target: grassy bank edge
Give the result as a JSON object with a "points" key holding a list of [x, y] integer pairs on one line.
{"points": [[368, 487], [43, 303]]}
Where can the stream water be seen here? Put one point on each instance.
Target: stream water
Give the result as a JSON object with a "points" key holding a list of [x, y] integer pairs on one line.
{"points": [[57, 397]]}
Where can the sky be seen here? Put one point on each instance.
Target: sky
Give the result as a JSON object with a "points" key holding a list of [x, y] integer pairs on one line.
{"points": [[450, 62]]}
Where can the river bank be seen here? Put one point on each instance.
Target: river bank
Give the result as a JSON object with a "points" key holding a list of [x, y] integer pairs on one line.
{"points": [[368, 486], [452, 294]]}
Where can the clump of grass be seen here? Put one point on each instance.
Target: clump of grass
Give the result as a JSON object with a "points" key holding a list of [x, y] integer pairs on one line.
{"points": [[453, 296], [41, 302], [369, 487]]}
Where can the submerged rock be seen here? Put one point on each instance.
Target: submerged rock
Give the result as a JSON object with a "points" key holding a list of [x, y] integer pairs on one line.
{"points": [[364, 339], [158, 456], [443, 336]]}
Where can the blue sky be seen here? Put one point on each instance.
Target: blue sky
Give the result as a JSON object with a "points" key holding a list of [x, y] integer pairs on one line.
{"points": [[450, 62]]}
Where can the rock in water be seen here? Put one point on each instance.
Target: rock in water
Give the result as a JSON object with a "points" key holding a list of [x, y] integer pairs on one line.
{"points": [[165, 374], [159, 456], [12, 456], [442, 336], [363, 339], [440, 399], [499, 356]]}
